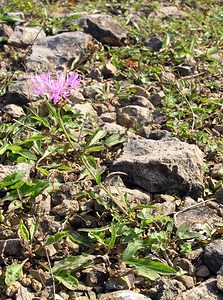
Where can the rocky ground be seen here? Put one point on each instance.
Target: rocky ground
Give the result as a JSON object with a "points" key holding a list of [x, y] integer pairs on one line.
{"points": [[134, 209]]}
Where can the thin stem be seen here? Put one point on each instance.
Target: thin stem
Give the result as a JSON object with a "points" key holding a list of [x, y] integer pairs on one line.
{"points": [[51, 273], [64, 129], [83, 159]]}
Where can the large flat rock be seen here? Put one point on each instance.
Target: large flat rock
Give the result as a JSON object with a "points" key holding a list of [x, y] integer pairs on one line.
{"points": [[58, 51], [163, 166]]}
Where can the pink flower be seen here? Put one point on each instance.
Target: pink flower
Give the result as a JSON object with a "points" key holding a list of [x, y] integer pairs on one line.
{"points": [[60, 88]]}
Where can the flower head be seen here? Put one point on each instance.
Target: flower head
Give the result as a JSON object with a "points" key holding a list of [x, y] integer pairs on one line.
{"points": [[60, 88]]}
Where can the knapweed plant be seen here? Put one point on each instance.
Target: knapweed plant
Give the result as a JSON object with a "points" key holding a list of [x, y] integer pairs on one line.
{"points": [[58, 91]]}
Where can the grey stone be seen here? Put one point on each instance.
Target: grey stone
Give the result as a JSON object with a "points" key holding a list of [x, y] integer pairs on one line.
{"points": [[11, 247], [123, 295], [105, 29], [134, 115], [183, 70], [155, 43], [95, 73], [23, 294], [156, 134], [166, 289], [85, 108], [219, 195], [5, 30], [133, 196], [77, 97], [162, 166], [220, 279], [170, 11], [51, 251], [14, 111], [184, 264], [120, 283], [196, 217], [188, 281], [157, 98], [92, 91], [108, 117], [12, 289], [202, 271], [6, 170], [114, 128], [109, 70], [217, 172], [96, 275], [19, 92], [140, 91], [166, 208], [207, 290], [213, 255], [66, 207], [188, 201], [137, 100], [219, 128], [25, 36], [58, 51]]}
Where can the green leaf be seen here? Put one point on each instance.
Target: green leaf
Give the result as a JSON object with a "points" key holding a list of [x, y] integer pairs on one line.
{"points": [[67, 280], [183, 233], [56, 237], [32, 229], [27, 154], [13, 272], [98, 135], [131, 250], [4, 148], [23, 230], [12, 179], [115, 139], [73, 263], [95, 149], [147, 273], [155, 266], [16, 204], [3, 39]]}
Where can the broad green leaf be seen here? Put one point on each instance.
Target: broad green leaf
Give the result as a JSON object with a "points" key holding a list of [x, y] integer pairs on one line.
{"points": [[67, 280], [91, 161], [114, 139], [27, 154], [16, 204], [13, 272], [98, 135], [4, 148], [183, 233], [79, 239], [148, 273], [33, 229], [3, 39], [23, 230], [56, 237], [131, 250], [35, 137], [156, 266], [14, 148], [12, 179], [73, 263], [95, 149], [43, 171]]}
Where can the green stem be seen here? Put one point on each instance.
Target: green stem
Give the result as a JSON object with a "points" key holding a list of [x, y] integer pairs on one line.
{"points": [[83, 159], [64, 129], [122, 209]]}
